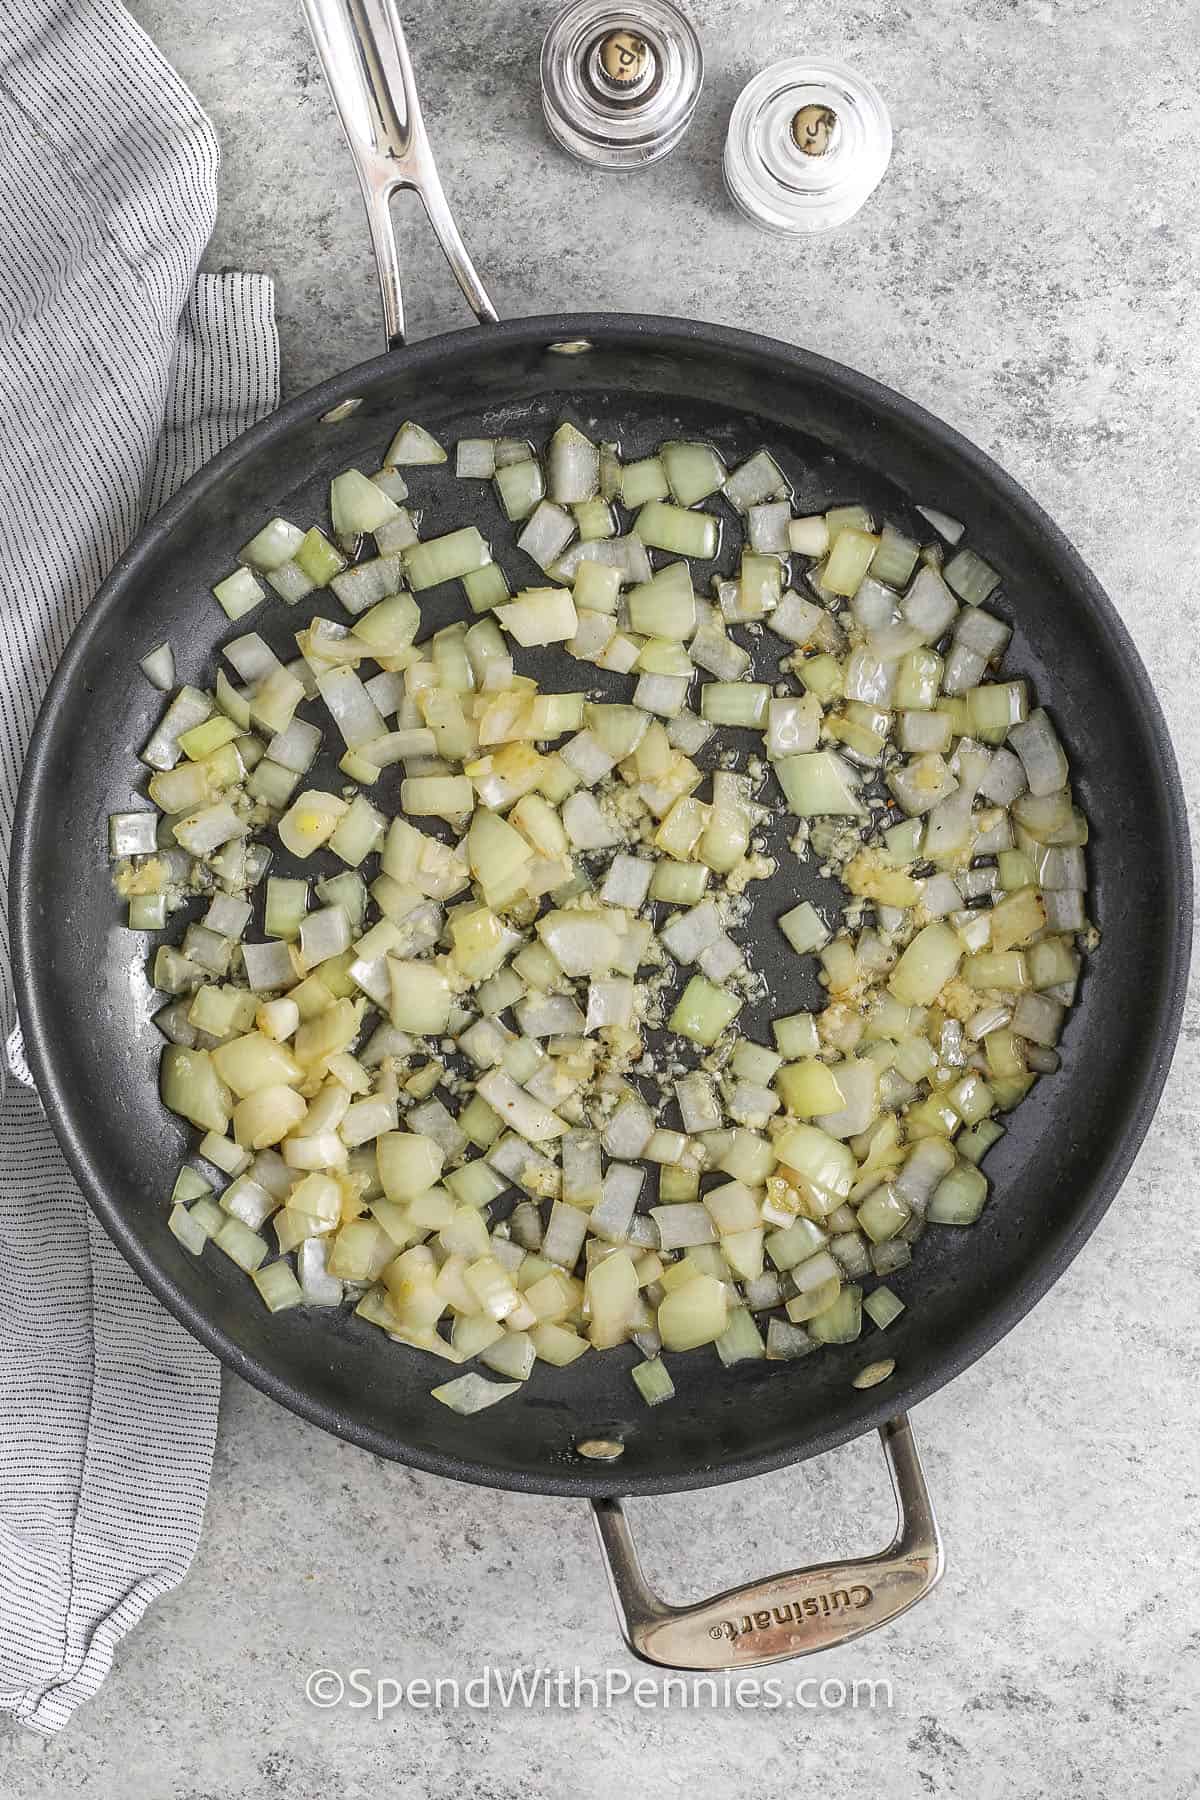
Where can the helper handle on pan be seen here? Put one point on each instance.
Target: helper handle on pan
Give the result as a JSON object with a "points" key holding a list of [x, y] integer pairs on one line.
{"points": [[786, 1615], [370, 74]]}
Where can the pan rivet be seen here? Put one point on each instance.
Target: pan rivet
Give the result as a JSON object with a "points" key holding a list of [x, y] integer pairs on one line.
{"points": [[813, 128], [600, 1449], [625, 57]]}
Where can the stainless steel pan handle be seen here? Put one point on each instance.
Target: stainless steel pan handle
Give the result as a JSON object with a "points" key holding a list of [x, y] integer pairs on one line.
{"points": [[366, 62], [807, 1609]]}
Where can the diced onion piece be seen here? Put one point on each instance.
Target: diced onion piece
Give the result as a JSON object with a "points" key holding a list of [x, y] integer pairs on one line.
{"points": [[276, 699], [275, 544], [793, 726], [437, 796], [693, 471], [611, 1002], [694, 1314], [737, 703], [471, 1393], [189, 708], [682, 1225], [158, 665], [267, 1115], [610, 1294], [1042, 756], [358, 505], [757, 479], [674, 528], [252, 1062], [972, 579], [324, 934], [475, 459], [818, 783], [841, 1321], [546, 534], [209, 828], [849, 559], [413, 447], [627, 554], [929, 607], [518, 1109], [926, 965], [704, 1011], [365, 585], [132, 833], [582, 943], [520, 486], [310, 821], [420, 997], [237, 594], [317, 558], [540, 616], [959, 1198], [241, 1245], [804, 928], [921, 783], [612, 1218], [796, 619], [768, 525], [445, 558], [574, 466], [652, 1381], [354, 713], [942, 523]]}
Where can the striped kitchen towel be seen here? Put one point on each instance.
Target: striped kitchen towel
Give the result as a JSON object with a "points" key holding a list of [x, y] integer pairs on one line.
{"points": [[120, 373]]}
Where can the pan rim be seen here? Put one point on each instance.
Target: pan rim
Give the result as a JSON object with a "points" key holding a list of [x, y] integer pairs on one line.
{"points": [[878, 1404]]}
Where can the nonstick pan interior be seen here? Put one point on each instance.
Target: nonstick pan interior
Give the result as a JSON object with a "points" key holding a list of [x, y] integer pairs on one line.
{"points": [[87, 1005]]}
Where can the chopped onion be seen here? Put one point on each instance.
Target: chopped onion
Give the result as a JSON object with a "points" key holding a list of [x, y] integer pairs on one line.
{"points": [[274, 545], [796, 618], [1042, 756], [756, 480], [475, 459], [693, 471], [411, 447], [511, 947], [471, 1393], [353, 711], [540, 616], [817, 784], [158, 666], [574, 466], [942, 523], [546, 534], [520, 486], [675, 528]]}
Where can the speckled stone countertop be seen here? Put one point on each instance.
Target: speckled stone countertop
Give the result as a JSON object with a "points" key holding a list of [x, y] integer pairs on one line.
{"points": [[1029, 271]]}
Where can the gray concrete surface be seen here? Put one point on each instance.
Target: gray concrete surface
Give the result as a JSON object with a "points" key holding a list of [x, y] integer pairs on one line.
{"points": [[1029, 271]]}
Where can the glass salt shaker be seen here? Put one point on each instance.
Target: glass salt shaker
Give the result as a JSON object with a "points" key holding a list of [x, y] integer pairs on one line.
{"points": [[808, 143], [620, 83]]}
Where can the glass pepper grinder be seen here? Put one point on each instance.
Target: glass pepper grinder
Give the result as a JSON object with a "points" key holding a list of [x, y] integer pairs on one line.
{"points": [[620, 83], [808, 143]]}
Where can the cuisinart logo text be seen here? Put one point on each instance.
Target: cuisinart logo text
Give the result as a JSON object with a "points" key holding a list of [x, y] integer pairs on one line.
{"points": [[795, 1612]]}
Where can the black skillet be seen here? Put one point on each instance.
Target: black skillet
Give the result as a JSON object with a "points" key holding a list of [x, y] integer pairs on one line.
{"points": [[86, 1005]]}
